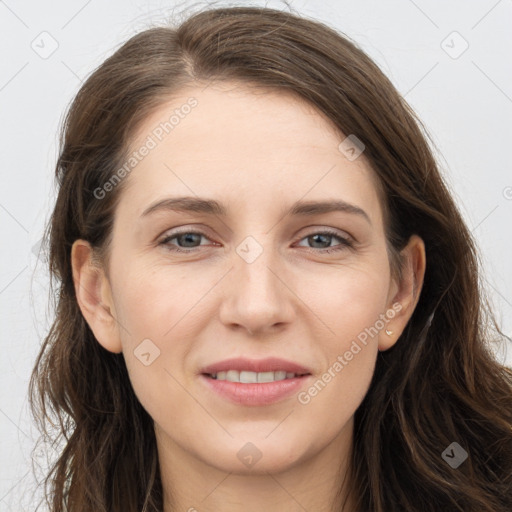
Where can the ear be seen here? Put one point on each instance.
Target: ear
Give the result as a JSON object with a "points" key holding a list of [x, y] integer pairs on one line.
{"points": [[404, 295], [94, 298]]}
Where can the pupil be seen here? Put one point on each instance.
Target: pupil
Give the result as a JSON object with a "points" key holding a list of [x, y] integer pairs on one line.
{"points": [[318, 236], [187, 237]]}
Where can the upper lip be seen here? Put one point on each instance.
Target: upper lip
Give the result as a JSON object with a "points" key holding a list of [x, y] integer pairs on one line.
{"points": [[270, 364]]}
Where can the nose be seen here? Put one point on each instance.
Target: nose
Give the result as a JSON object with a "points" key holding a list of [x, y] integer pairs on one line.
{"points": [[258, 296]]}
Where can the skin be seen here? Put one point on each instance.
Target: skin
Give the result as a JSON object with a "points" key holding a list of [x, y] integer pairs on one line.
{"points": [[256, 152]]}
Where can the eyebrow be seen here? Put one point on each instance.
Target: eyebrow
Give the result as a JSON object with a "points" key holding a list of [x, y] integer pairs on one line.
{"points": [[213, 207]]}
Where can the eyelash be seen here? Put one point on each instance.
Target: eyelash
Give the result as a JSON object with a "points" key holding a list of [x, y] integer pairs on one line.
{"points": [[345, 242]]}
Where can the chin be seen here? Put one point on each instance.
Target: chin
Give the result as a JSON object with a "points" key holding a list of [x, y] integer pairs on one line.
{"points": [[256, 455]]}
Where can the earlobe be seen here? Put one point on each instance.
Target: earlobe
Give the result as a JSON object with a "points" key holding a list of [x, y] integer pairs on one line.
{"points": [[92, 291], [408, 292]]}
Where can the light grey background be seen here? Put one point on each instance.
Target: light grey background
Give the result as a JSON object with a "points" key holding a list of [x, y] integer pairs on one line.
{"points": [[463, 96]]}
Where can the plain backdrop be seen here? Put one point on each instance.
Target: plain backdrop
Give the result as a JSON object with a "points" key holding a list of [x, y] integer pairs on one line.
{"points": [[451, 61]]}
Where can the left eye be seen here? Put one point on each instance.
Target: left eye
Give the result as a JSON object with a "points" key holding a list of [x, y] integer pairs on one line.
{"points": [[317, 238], [189, 238]]}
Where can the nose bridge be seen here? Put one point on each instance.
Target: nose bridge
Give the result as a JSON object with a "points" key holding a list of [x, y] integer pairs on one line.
{"points": [[257, 298], [254, 259]]}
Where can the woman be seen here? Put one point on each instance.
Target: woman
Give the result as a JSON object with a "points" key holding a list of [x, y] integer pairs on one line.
{"points": [[254, 369]]}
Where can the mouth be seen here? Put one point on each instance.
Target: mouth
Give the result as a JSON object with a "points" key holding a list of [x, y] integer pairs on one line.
{"points": [[252, 382], [246, 388], [249, 377]]}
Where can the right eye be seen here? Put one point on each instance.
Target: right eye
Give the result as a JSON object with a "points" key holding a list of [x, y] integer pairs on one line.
{"points": [[183, 237]]}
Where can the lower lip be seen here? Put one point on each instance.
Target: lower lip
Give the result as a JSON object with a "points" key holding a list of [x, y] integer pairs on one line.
{"points": [[264, 393]]}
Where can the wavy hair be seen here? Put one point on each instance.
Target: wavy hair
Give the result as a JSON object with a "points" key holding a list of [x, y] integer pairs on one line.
{"points": [[440, 382]]}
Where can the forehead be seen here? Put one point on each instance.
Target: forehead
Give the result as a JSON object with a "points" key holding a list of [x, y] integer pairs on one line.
{"points": [[249, 146]]}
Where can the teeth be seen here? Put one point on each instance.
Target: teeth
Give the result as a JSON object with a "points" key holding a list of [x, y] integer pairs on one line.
{"points": [[246, 377], [233, 375]]}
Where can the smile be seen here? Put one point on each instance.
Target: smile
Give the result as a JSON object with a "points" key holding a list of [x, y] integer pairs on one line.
{"points": [[247, 377]]}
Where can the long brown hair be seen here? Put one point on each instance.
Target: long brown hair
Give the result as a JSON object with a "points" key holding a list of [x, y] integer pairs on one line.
{"points": [[439, 383]]}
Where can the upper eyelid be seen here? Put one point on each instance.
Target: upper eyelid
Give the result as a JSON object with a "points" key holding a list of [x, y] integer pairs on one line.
{"points": [[318, 230]]}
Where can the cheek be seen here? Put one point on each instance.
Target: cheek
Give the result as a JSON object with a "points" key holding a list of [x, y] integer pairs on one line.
{"points": [[334, 396], [351, 306], [150, 301], [146, 310], [161, 310], [346, 300], [353, 311]]}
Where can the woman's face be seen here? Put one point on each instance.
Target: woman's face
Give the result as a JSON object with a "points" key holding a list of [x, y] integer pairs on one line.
{"points": [[255, 281]]}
